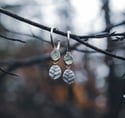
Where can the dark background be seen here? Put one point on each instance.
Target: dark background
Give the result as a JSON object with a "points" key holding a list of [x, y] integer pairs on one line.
{"points": [[99, 87]]}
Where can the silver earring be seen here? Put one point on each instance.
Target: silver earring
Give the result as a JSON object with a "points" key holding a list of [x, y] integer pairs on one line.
{"points": [[68, 75], [55, 71]]}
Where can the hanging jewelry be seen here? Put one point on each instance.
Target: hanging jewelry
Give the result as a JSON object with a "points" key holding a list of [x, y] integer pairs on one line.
{"points": [[55, 71], [68, 75]]}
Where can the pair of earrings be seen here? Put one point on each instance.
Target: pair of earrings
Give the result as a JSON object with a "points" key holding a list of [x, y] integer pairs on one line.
{"points": [[55, 71]]}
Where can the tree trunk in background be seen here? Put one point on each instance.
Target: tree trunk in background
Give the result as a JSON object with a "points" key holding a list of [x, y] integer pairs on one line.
{"points": [[108, 59], [115, 85]]}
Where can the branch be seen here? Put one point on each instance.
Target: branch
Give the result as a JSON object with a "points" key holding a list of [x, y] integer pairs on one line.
{"points": [[25, 34], [103, 35], [75, 37], [113, 26], [99, 50], [6, 12], [15, 64], [6, 72], [12, 39]]}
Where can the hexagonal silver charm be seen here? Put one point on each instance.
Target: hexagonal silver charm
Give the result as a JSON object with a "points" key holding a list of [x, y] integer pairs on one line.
{"points": [[55, 72], [69, 76], [68, 59], [55, 54]]}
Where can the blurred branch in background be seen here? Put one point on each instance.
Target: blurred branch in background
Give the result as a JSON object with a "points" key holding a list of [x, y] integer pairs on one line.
{"points": [[8, 73], [11, 39]]}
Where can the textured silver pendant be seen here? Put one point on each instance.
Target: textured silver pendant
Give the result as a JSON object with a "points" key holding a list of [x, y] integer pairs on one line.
{"points": [[55, 72], [69, 76]]}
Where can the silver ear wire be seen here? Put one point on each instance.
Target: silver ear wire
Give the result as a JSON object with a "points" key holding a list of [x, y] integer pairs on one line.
{"points": [[68, 38], [58, 45], [51, 37]]}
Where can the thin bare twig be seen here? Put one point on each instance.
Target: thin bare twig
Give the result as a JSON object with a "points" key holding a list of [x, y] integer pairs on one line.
{"points": [[12, 39], [6, 72]]}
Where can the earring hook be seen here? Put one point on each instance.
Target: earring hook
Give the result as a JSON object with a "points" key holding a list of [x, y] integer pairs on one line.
{"points": [[51, 37], [68, 38], [58, 45]]}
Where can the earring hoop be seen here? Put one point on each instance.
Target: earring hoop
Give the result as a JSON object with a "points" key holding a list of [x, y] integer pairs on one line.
{"points": [[54, 71]]}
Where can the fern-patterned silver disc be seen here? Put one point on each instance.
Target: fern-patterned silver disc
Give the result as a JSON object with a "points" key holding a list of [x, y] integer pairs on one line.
{"points": [[55, 72], [68, 76]]}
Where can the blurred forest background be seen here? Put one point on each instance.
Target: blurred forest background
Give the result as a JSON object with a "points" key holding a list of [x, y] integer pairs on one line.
{"points": [[99, 86]]}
